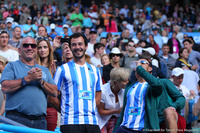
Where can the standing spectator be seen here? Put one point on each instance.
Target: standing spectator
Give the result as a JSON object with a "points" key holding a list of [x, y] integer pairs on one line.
{"points": [[115, 56], [194, 56], [98, 52], [93, 38], [29, 29], [34, 82], [76, 18], [9, 28], [111, 25], [111, 103], [124, 11], [167, 59], [14, 42], [174, 45], [84, 88], [44, 57], [9, 54]]}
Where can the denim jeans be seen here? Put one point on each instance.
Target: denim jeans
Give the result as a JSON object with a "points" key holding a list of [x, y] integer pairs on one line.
{"points": [[39, 124]]}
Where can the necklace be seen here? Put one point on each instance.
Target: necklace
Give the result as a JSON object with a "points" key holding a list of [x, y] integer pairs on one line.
{"points": [[27, 66]]}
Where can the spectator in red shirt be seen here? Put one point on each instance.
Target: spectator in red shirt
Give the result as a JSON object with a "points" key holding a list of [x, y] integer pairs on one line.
{"points": [[111, 25], [154, 44]]}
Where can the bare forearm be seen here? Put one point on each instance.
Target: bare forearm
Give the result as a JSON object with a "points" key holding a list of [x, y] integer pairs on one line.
{"points": [[98, 97], [107, 112], [10, 86], [55, 103], [50, 89]]}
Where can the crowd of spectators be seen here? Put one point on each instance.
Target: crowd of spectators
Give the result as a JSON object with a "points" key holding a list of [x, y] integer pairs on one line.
{"points": [[151, 45]]}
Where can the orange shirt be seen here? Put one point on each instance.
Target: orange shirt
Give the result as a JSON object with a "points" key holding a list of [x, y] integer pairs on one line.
{"points": [[106, 18]]}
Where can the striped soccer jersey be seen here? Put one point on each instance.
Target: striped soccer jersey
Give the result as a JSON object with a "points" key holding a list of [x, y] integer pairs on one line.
{"points": [[135, 107], [78, 85]]}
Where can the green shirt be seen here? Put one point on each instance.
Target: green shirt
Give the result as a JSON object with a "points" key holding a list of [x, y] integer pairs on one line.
{"points": [[77, 21]]}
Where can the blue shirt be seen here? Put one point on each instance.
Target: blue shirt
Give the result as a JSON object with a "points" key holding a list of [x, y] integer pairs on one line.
{"points": [[30, 33], [29, 99], [78, 85], [135, 108]]}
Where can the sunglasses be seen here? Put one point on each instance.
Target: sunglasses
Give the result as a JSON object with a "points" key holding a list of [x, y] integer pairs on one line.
{"points": [[113, 55], [26, 45], [43, 38], [131, 45], [144, 62]]}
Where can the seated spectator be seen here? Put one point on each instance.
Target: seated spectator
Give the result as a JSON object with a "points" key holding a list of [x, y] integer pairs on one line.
{"points": [[45, 19], [138, 37], [154, 44], [9, 54], [126, 25], [140, 45], [115, 56], [53, 32], [14, 42], [112, 96], [183, 62], [164, 37], [195, 46], [167, 59], [98, 52], [38, 19], [129, 57], [106, 17], [76, 18], [105, 60], [111, 25], [9, 28], [174, 45], [57, 18]]}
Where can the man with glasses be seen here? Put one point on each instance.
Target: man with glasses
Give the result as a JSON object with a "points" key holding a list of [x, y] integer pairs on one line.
{"points": [[26, 85], [9, 54], [115, 56], [130, 56], [140, 102], [80, 85]]}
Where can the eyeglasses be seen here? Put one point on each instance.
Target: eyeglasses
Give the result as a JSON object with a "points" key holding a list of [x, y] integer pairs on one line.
{"points": [[113, 55], [144, 62], [26, 45], [43, 38], [131, 45]]}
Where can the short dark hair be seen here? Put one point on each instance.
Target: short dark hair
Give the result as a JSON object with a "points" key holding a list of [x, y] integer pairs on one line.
{"points": [[97, 46], [187, 40], [16, 27], [43, 27], [103, 38], [77, 35], [139, 32], [164, 45]]}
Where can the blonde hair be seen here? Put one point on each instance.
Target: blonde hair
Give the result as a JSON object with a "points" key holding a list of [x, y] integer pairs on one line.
{"points": [[118, 74], [105, 55], [50, 56]]}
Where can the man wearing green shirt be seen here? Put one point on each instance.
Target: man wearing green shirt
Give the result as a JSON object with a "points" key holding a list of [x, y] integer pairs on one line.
{"points": [[76, 18]]}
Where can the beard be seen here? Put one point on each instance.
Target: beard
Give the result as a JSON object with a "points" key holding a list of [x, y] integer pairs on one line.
{"points": [[80, 56]]}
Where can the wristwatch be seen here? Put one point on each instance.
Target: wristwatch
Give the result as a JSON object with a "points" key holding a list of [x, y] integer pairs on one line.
{"points": [[23, 81]]}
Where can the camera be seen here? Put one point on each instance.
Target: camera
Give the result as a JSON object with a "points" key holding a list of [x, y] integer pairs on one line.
{"points": [[62, 40]]}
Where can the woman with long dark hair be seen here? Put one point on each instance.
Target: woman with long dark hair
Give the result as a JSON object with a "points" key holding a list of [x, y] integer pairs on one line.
{"points": [[44, 57], [154, 44], [111, 25]]}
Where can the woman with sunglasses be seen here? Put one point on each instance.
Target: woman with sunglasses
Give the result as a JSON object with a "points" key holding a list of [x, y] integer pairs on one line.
{"points": [[182, 61], [44, 57], [112, 96]]}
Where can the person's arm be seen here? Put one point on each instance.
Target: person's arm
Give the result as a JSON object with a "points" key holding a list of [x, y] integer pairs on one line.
{"points": [[56, 42], [152, 81], [102, 111], [98, 97], [55, 102], [34, 30], [49, 89], [27, 31], [3, 105]]}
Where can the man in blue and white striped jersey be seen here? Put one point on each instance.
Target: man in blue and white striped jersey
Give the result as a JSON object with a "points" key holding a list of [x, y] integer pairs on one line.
{"points": [[80, 85]]}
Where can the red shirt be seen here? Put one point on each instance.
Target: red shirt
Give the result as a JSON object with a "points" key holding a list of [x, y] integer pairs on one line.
{"points": [[156, 47]]}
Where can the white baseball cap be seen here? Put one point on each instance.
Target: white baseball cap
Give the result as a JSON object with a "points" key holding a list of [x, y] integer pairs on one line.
{"points": [[150, 50], [65, 26], [52, 26], [177, 71]]}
